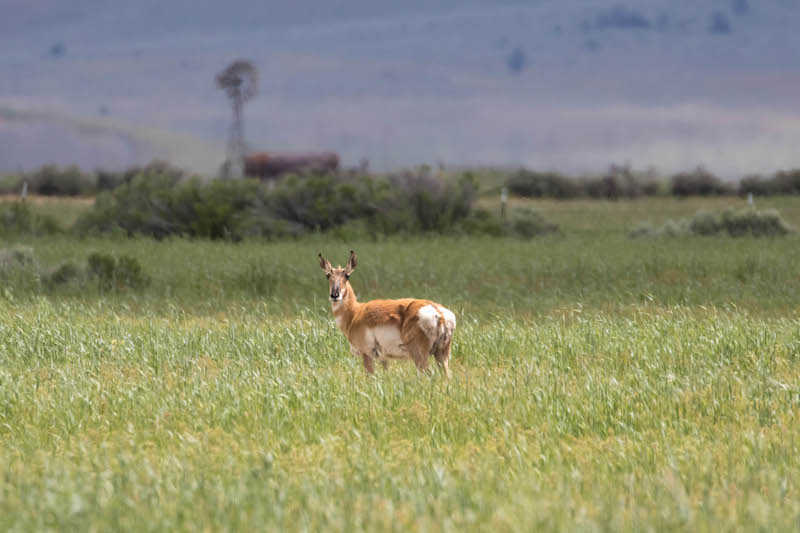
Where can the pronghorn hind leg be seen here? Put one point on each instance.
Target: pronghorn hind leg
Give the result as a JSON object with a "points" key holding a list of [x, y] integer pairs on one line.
{"points": [[421, 360], [385, 364], [369, 363], [419, 347], [442, 355]]}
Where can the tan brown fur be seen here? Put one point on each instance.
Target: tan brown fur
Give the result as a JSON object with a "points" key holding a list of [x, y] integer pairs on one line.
{"points": [[407, 328]]}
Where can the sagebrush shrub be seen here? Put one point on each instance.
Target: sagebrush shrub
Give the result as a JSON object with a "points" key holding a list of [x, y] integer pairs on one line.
{"points": [[17, 218], [643, 230], [730, 222], [19, 268], [482, 222], [116, 273], [766, 223], [129, 273], [529, 223], [66, 272], [704, 223]]}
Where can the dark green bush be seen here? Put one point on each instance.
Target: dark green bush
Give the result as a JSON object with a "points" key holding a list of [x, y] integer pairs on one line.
{"points": [[620, 182], [783, 182], [756, 185], [530, 184], [158, 204], [212, 210], [606, 187], [398, 203], [108, 180], [700, 182], [51, 180], [787, 182], [112, 273], [143, 206], [322, 202], [435, 205]]}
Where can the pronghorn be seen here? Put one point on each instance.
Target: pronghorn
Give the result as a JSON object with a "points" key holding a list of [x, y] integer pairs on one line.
{"points": [[389, 329]]}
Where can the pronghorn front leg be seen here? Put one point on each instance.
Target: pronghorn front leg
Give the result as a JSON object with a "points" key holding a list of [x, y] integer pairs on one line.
{"points": [[376, 353], [369, 361]]}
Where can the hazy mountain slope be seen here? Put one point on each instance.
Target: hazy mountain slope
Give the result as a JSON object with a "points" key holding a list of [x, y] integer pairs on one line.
{"points": [[566, 84]]}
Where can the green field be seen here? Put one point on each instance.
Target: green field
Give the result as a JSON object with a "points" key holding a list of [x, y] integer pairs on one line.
{"points": [[599, 383]]}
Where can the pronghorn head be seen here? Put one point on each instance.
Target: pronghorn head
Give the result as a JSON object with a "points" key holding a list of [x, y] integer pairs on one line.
{"points": [[338, 277]]}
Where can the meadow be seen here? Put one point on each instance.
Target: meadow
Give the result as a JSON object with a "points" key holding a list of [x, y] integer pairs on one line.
{"points": [[599, 383]]}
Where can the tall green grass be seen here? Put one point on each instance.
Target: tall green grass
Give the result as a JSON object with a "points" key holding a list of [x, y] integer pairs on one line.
{"points": [[667, 418]]}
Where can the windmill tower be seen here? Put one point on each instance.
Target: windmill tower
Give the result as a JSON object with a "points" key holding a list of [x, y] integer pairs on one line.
{"points": [[239, 80]]}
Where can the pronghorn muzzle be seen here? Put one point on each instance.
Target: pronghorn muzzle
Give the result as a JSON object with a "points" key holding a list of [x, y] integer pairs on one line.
{"points": [[336, 292]]}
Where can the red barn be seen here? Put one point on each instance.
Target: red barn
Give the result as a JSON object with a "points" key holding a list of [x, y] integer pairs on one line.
{"points": [[270, 165]]}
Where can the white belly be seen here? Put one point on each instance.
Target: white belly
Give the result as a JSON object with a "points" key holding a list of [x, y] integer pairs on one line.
{"points": [[385, 342]]}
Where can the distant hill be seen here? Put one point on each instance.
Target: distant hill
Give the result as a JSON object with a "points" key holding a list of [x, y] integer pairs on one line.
{"points": [[572, 85]]}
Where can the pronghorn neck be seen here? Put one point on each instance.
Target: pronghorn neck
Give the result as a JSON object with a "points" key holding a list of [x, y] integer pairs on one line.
{"points": [[344, 310]]}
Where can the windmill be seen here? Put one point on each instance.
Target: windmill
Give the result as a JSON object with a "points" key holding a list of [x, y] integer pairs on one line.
{"points": [[239, 80]]}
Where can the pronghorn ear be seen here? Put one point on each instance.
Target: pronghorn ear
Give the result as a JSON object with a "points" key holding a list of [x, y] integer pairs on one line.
{"points": [[351, 264], [324, 264]]}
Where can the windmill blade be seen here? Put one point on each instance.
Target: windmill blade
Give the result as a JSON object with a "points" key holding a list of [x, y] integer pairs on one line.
{"points": [[239, 79]]}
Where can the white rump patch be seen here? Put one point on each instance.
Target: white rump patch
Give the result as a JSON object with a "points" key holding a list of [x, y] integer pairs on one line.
{"points": [[429, 321], [449, 320]]}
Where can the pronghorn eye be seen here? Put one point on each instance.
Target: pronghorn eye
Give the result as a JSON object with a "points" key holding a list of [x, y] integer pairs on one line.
{"points": [[328, 275], [347, 276]]}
